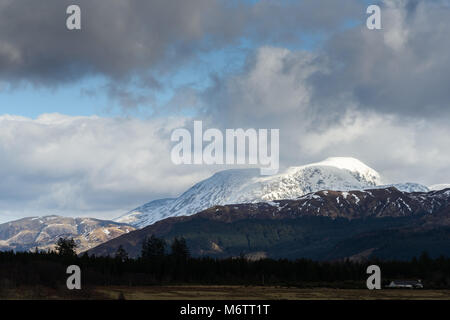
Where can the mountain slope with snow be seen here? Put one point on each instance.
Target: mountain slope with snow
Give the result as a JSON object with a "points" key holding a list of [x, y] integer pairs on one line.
{"points": [[407, 187], [324, 225], [43, 232], [247, 186], [438, 187]]}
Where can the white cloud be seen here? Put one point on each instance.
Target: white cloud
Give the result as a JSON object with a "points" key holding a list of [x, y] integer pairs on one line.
{"points": [[86, 165], [413, 150], [91, 166]]}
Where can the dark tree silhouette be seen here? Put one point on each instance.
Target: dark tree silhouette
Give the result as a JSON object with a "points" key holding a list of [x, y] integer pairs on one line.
{"points": [[180, 250], [66, 247], [153, 248], [121, 254]]}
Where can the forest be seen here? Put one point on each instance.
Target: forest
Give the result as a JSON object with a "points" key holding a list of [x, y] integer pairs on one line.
{"points": [[163, 264]]}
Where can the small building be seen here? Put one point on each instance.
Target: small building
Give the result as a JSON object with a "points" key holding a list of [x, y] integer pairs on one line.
{"points": [[408, 284]]}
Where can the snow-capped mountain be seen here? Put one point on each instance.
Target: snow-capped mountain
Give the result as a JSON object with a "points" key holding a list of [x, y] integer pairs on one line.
{"points": [[247, 186]]}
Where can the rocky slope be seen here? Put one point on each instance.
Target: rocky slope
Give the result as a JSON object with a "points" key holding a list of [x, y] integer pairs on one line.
{"points": [[320, 225], [43, 232], [247, 186]]}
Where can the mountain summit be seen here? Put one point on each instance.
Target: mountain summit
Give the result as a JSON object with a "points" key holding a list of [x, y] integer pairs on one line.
{"points": [[247, 186]]}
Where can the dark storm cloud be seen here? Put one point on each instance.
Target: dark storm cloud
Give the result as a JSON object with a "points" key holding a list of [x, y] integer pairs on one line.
{"points": [[120, 38], [402, 69], [117, 37]]}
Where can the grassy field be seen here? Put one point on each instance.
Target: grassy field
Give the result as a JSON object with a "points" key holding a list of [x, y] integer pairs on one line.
{"points": [[223, 293], [264, 293]]}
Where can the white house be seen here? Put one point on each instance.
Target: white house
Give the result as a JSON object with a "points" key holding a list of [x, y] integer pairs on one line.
{"points": [[410, 284]]}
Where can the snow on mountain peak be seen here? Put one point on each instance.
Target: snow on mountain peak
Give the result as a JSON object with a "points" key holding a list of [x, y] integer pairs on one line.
{"points": [[247, 186], [350, 164]]}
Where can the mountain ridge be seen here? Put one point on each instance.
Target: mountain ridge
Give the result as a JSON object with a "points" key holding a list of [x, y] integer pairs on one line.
{"points": [[43, 232], [247, 186], [315, 225]]}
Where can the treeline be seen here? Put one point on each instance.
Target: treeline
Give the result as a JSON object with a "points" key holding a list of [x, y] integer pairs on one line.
{"points": [[160, 264]]}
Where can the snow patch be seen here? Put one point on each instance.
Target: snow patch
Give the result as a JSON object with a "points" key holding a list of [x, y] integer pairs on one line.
{"points": [[438, 187]]}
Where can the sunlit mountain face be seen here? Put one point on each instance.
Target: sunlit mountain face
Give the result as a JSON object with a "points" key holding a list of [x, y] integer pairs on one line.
{"points": [[247, 186]]}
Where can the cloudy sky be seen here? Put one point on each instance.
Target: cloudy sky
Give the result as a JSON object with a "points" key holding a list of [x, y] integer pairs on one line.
{"points": [[86, 116]]}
